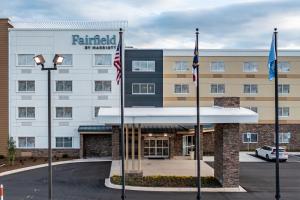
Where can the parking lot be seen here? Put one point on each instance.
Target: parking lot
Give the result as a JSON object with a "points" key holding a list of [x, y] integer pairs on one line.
{"points": [[85, 181]]}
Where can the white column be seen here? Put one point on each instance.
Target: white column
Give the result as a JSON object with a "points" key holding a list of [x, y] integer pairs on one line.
{"points": [[132, 147], [126, 146], [139, 147]]}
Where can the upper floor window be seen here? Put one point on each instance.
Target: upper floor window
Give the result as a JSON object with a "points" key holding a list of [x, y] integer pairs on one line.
{"points": [[249, 137], [284, 66], [25, 60], [143, 88], [284, 88], [103, 59], [181, 66], [217, 66], [26, 142], [284, 138], [250, 88], [102, 86], [284, 111], [63, 142], [181, 88], [250, 67], [143, 66], [217, 88], [63, 86], [26, 86], [63, 112], [68, 60], [26, 112]]}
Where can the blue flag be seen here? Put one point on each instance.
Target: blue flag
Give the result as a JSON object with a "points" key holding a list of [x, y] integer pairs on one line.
{"points": [[272, 59]]}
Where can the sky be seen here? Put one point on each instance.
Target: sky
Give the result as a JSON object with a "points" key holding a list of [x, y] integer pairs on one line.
{"points": [[230, 24]]}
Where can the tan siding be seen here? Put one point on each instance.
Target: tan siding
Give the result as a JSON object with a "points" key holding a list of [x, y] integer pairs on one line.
{"points": [[4, 24]]}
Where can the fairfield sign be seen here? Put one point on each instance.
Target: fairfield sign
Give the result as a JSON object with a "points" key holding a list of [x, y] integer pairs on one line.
{"points": [[95, 42]]}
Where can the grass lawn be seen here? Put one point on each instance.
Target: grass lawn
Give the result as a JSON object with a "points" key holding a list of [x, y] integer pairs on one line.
{"points": [[167, 181]]}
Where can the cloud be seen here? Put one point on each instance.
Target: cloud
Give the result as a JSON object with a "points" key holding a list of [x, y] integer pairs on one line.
{"points": [[171, 23]]}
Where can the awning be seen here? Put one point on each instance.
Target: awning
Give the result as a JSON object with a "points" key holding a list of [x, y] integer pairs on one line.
{"points": [[177, 115], [95, 129]]}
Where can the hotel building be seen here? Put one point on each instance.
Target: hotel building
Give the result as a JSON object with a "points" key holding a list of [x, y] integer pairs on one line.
{"points": [[84, 85]]}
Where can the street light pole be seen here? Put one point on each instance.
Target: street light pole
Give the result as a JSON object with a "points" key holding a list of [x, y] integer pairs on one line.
{"points": [[40, 61]]}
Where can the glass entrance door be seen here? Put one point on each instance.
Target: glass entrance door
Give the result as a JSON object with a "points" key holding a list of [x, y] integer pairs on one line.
{"points": [[156, 147], [187, 144]]}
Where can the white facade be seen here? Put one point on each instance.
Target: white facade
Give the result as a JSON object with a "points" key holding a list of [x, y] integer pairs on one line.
{"points": [[83, 72]]}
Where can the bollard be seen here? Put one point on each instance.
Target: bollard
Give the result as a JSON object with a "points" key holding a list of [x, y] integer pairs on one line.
{"points": [[1, 192]]}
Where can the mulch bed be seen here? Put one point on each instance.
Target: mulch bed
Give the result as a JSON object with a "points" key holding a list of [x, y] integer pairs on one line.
{"points": [[167, 181], [26, 162]]}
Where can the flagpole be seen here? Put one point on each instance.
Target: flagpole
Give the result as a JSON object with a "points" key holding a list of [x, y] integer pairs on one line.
{"points": [[198, 126], [122, 115], [277, 195]]}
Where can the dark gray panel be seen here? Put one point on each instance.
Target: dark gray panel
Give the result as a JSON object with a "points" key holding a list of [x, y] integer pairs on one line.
{"points": [[156, 77]]}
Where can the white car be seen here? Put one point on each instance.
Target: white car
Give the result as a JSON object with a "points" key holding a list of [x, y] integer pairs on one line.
{"points": [[269, 153]]}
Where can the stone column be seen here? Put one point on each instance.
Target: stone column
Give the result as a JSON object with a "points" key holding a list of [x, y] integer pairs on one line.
{"points": [[81, 146], [226, 164], [227, 140], [133, 148], [115, 142], [139, 148]]}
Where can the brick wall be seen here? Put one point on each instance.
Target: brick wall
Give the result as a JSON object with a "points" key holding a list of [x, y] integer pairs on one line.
{"points": [[72, 153]]}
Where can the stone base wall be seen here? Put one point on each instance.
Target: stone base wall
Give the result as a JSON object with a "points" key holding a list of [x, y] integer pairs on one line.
{"points": [[43, 153], [115, 140], [208, 143], [266, 135]]}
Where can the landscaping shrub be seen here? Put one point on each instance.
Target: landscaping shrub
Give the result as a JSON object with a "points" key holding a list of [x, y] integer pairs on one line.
{"points": [[11, 151], [65, 155], [167, 181]]}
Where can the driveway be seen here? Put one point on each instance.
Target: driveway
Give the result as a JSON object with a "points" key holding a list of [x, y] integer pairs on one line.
{"points": [[85, 181]]}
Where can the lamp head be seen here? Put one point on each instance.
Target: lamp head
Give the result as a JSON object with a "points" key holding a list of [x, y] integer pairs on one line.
{"points": [[58, 59], [39, 59]]}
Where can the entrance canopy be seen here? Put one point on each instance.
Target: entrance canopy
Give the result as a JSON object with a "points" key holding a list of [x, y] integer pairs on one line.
{"points": [[177, 115]]}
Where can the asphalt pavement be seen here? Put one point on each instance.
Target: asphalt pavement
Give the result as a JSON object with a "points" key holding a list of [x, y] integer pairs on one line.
{"points": [[85, 181]]}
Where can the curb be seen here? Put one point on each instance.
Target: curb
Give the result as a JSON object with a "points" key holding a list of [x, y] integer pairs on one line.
{"points": [[53, 164], [108, 184]]}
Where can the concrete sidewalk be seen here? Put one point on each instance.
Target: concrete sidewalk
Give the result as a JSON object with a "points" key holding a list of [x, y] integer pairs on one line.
{"points": [[167, 168]]}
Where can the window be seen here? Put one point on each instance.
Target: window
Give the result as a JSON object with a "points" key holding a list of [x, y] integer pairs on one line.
{"points": [[26, 112], [103, 59], [284, 111], [181, 66], [284, 66], [102, 86], [284, 88], [26, 142], [63, 142], [250, 89], [63, 112], [63, 86], [284, 138], [25, 60], [68, 60], [26, 86], [250, 67], [217, 88], [143, 66], [249, 137], [217, 67], [181, 88], [143, 88], [96, 111], [253, 108]]}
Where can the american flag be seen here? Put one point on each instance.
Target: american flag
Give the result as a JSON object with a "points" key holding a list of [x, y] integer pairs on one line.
{"points": [[195, 63], [117, 64]]}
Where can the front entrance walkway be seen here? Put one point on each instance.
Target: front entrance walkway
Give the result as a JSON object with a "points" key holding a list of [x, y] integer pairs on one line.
{"points": [[167, 168]]}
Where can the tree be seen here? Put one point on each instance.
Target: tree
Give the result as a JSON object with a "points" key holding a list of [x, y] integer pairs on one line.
{"points": [[11, 151]]}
